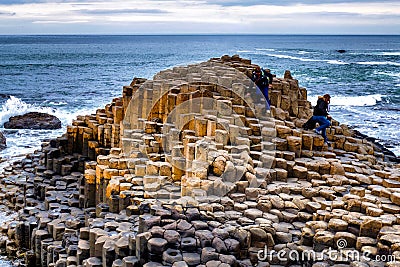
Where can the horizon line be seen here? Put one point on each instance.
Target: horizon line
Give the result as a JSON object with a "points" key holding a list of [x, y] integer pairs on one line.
{"points": [[201, 34]]}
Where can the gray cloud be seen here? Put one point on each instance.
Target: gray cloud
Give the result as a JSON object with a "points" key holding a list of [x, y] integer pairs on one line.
{"points": [[288, 19], [7, 13]]}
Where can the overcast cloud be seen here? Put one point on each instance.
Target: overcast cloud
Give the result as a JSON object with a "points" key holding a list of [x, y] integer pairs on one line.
{"points": [[199, 16]]}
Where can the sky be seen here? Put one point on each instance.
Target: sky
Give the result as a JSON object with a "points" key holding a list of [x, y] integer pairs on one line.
{"points": [[199, 17]]}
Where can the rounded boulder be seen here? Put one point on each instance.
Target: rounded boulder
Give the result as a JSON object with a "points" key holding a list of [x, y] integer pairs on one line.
{"points": [[33, 120]]}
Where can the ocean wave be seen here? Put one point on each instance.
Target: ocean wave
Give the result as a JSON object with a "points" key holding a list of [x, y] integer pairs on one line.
{"points": [[61, 103], [329, 61], [244, 51], [354, 101], [376, 53], [390, 74], [336, 62], [292, 57], [395, 53], [379, 63], [23, 141], [265, 49], [15, 106]]}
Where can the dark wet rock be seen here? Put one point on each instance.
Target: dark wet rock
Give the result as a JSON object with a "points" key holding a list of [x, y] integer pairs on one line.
{"points": [[192, 259], [341, 51], [188, 244], [208, 254], [287, 75], [33, 120], [172, 255], [383, 148], [3, 144], [4, 96], [157, 245], [172, 237]]}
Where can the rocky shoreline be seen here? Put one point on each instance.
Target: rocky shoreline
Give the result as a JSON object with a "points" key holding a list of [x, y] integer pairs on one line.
{"points": [[189, 169]]}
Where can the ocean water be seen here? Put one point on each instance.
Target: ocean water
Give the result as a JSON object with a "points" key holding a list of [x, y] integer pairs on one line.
{"points": [[71, 75]]}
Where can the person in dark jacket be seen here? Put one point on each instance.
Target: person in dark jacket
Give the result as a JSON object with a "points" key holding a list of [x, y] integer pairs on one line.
{"points": [[321, 115], [263, 79]]}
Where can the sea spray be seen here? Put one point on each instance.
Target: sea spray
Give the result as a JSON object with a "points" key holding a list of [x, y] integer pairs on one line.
{"points": [[23, 141], [15, 106]]}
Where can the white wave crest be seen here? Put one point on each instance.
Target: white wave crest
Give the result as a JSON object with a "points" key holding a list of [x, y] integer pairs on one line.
{"points": [[336, 62], [329, 61], [394, 53], [390, 74], [354, 101], [265, 49], [292, 57], [379, 63], [15, 106], [61, 103]]}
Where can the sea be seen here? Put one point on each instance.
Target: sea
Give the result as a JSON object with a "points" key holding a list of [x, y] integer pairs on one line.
{"points": [[70, 75]]}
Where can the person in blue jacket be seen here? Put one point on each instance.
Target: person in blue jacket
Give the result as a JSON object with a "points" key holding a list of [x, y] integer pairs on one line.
{"points": [[263, 79], [321, 115]]}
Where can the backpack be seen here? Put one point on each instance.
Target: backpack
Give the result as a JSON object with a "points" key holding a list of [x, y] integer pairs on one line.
{"points": [[264, 77]]}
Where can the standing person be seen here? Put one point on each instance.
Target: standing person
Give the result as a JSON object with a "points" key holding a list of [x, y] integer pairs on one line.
{"points": [[257, 77], [263, 78], [321, 115], [270, 77]]}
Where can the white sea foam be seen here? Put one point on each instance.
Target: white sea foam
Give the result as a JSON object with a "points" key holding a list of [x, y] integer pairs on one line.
{"points": [[244, 51], [265, 49], [329, 61], [377, 53], [368, 100], [61, 103], [292, 57], [23, 141], [379, 63], [336, 62], [354, 101], [390, 74], [15, 106], [394, 53]]}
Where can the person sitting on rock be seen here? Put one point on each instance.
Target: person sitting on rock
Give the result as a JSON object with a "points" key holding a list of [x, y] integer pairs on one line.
{"points": [[321, 115], [263, 79]]}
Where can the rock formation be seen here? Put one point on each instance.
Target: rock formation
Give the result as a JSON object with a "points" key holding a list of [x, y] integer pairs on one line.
{"points": [[3, 143], [33, 120], [190, 169]]}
